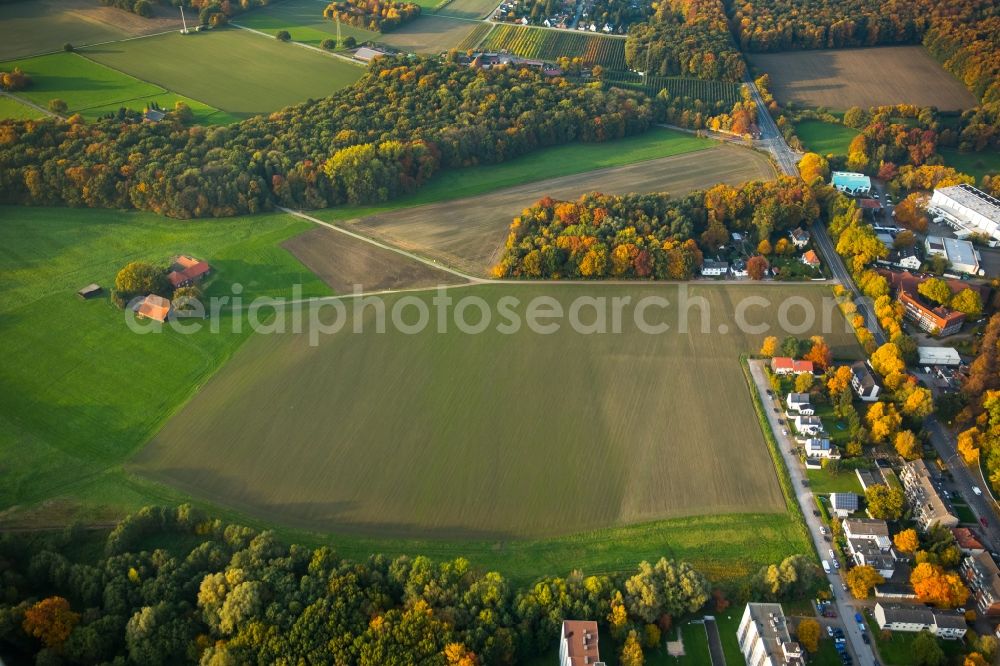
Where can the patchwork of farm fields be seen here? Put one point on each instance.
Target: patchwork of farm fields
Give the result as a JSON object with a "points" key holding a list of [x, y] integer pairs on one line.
{"points": [[93, 90], [528, 42], [842, 78], [488, 435], [430, 34], [43, 26], [303, 19], [231, 69], [469, 233]]}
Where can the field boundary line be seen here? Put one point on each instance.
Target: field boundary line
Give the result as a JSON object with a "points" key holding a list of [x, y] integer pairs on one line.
{"points": [[331, 54], [410, 255], [76, 47], [29, 103]]}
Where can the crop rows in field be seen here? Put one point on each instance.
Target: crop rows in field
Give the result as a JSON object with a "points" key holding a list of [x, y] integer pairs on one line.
{"points": [[710, 92], [472, 40], [608, 52]]}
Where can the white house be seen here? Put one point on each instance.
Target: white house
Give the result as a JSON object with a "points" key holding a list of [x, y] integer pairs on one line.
{"points": [[938, 356], [819, 447], [869, 544], [905, 257], [800, 237], [764, 638], [799, 402], [578, 643], [863, 382], [808, 425], [786, 365], [943, 624], [844, 504], [712, 268]]}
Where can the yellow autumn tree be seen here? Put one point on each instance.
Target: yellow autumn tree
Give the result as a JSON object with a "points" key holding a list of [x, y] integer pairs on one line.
{"points": [[907, 541], [770, 346], [907, 445], [808, 634]]}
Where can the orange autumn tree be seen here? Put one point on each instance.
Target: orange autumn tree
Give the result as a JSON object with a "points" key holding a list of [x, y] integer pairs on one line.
{"points": [[820, 354], [51, 621], [907, 541], [934, 585]]}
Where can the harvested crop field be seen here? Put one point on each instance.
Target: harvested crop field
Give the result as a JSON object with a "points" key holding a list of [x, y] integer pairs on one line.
{"points": [[491, 435], [234, 70], [468, 233], [43, 26], [468, 9], [343, 262], [842, 78], [429, 34]]}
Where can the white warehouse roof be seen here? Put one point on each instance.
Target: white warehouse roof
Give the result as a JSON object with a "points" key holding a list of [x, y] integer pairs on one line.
{"points": [[938, 356]]}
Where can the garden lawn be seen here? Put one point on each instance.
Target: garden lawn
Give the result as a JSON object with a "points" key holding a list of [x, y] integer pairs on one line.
{"points": [[823, 481], [825, 138], [231, 69], [898, 649]]}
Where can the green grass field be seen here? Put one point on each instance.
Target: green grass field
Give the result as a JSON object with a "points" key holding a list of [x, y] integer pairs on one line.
{"points": [[974, 164], [303, 19], [825, 138], [93, 90], [86, 391], [40, 27], [231, 69], [15, 110], [542, 164]]}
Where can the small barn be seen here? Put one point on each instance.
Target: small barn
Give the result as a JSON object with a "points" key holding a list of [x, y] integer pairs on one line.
{"points": [[153, 307], [90, 291]]}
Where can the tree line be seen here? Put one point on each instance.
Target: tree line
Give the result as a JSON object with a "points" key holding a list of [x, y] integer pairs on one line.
{"points": [[225, 594], [403, 122], [374, 15], [685, 38], [648, 236]]}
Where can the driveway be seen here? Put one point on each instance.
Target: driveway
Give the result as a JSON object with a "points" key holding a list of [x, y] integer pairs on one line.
{"points": [[862, 653]]}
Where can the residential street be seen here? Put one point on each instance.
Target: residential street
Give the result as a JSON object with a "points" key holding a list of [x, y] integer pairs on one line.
{"points": [[862, 653]]}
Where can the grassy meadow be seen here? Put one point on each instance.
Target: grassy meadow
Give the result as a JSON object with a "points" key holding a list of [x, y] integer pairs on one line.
{"points": [[825, 138], [303, 19], [230, 69], [94, 90], [85, 391], [13, 109], [974, 164]]}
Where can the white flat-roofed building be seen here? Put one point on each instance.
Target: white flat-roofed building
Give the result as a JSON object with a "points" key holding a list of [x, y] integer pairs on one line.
{"points": [[961, 254], [851, 182], [764, 637], [967, 209], [938, 356]]}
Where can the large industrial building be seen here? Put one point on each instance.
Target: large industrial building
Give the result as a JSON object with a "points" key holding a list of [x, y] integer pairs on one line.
{"points": [[968, 210]]}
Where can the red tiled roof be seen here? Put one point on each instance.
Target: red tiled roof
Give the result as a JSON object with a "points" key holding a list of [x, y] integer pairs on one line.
{"points": [[154, 307], [186, 269], [942, 316], [811, 258], [966, 539], [788, 363]]}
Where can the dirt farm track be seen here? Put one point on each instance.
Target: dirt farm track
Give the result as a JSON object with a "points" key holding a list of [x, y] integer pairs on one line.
{"points": [[468, 233]]}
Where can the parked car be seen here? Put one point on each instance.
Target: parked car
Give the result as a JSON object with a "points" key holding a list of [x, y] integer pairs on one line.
{"points": [[865, 638], [829, 631], [833, 555], [984, 523], [777, 411], [784, 432], [977, 490]]}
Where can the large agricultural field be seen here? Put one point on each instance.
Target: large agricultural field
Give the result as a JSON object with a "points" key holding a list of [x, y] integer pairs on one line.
{"points": [[231, 69], [842, 78], [93, 90], [469, 233], [489, 435], [467, 9], [528, 42], [43, 26], [429, 34], [303, 19]]}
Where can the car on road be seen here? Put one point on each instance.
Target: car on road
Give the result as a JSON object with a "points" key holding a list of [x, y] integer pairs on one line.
{"points": [[784, 432], [833, 555], [984, 522], [865, 638], [816, 513], [977, 490], [777, 411], [829, 631], [836, 564], [826, 567], [843, 586]]}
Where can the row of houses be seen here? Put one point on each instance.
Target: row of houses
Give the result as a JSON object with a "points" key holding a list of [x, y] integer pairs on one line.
{"points": [[929, 509], [946, 624]]}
